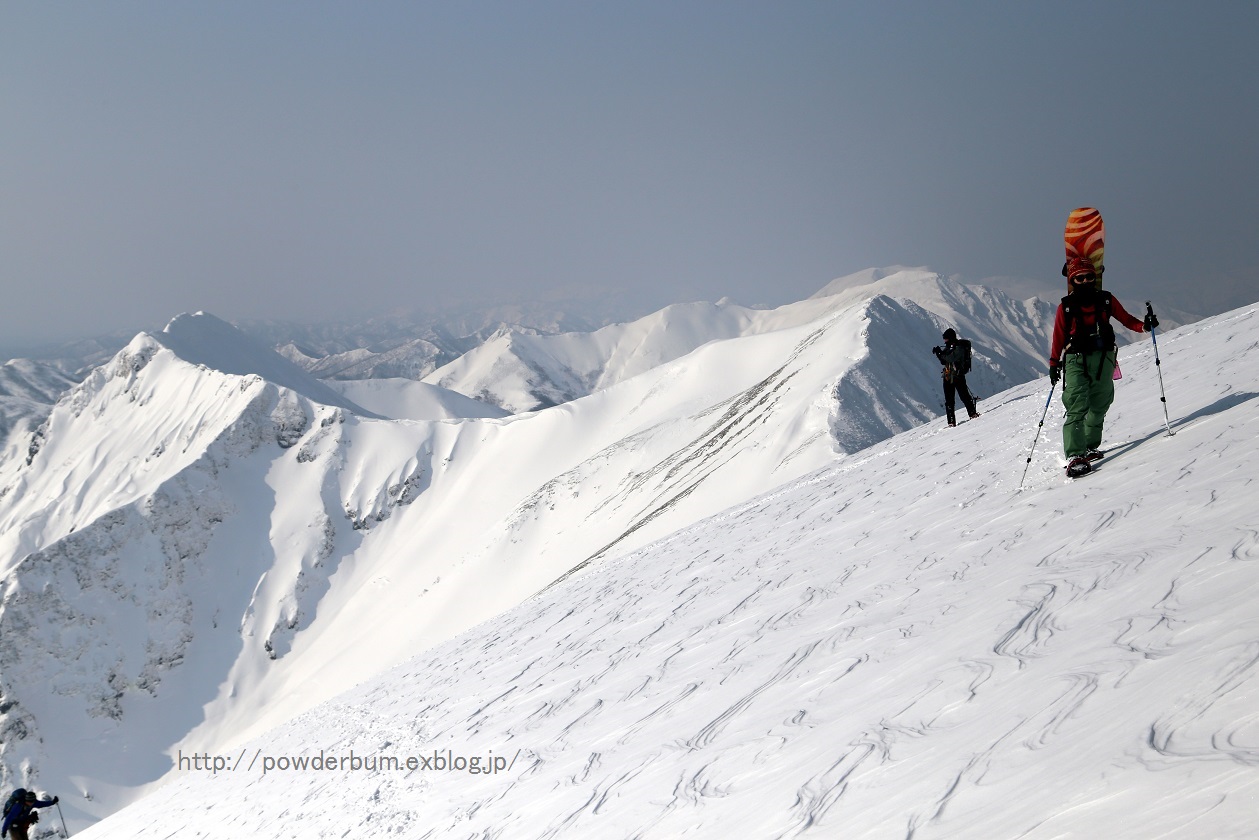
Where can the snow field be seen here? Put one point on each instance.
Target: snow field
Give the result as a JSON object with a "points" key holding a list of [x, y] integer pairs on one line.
{"points": [[902, 644]]}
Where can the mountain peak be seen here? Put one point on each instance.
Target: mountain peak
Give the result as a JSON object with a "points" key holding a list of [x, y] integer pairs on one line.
{"points": [[204, 339], [870, 276]]}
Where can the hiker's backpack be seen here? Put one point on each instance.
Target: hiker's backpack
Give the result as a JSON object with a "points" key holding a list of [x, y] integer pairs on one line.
{"points": [[963, 367], [1085, 338], [15, 798]]}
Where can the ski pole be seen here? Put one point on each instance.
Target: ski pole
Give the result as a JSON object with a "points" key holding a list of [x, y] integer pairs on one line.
{"points": [[1158, 366], [65, 832], [1039, 426]]}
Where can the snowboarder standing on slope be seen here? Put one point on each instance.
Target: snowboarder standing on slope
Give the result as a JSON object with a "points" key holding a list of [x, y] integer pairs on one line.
{"points": [[19, 813], [1083, 332], [955, 356]]}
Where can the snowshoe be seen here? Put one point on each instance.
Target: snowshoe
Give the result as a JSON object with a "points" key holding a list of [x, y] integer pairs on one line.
{"points": [[1094, 455], [1079, 466]]}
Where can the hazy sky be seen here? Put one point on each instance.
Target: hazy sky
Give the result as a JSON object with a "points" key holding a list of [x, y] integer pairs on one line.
{"points": [[311, 160]]}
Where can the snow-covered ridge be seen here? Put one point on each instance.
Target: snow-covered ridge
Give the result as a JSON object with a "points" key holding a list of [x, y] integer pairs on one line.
{"points": [[523, 372], [305, 545], [412, 345], [899, 644], [205, 340]]}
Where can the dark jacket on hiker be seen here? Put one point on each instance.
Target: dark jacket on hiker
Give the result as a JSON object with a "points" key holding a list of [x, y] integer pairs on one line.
{"points": [[1083, 353], [955, 357], [19, 817]]}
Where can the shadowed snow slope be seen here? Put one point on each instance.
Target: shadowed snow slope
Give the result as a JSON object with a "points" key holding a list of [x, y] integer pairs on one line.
{"points": [[903, 644]]}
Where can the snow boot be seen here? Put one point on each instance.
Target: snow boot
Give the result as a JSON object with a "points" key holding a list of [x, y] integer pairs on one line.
{"points": [[1079, 466]]}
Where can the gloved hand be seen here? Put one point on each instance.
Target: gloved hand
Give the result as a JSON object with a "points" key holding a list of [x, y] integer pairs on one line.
{"points": [[56, 799], [937, 350], [1055, 373], [1151, 321]]}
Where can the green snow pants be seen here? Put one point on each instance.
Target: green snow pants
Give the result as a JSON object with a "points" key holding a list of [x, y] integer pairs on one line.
{"points": [[1088, 389]]}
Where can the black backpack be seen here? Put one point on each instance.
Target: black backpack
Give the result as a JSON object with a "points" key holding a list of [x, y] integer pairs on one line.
{"points": [[964, 366], [1084, 339]]}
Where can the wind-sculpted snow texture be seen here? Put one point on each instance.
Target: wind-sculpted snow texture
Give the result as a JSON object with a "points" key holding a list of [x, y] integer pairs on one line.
{"points": [[902, 644]]}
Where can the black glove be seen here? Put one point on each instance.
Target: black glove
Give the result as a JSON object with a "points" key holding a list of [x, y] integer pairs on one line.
{"points": [[32, 818], [937, 350], [56, 799], [1055, 373], [1151, 321]]}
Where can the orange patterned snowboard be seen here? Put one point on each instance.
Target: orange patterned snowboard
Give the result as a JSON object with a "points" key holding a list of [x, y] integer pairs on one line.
{"points": [[1086, 237]]}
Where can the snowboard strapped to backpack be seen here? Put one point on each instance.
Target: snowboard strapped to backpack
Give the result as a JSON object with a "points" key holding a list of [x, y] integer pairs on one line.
{"points": [[1085, 236]]}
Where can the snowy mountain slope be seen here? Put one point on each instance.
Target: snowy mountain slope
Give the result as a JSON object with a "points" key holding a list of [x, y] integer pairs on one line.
{"points": [[406, 399], [411, 359], [131, 535], [527, 372], [130, 549], [504, 508], [901, 644], [303, 548], [28, 390], [524, 372], [90, 465]]}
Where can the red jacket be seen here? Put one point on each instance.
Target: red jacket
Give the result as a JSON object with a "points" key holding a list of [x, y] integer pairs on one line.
{"points": [[1087, 315]]}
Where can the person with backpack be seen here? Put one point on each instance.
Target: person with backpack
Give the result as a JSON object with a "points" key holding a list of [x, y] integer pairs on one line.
{"points": [[955, 357], [19, 813], [1084, 356]]}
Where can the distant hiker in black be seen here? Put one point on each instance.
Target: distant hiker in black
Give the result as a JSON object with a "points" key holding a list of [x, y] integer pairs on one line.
{"points": [[955, 356], [19, 813]]}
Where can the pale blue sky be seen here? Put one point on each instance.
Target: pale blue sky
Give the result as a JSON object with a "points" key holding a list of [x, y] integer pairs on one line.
{"points": [[313, 160]]}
